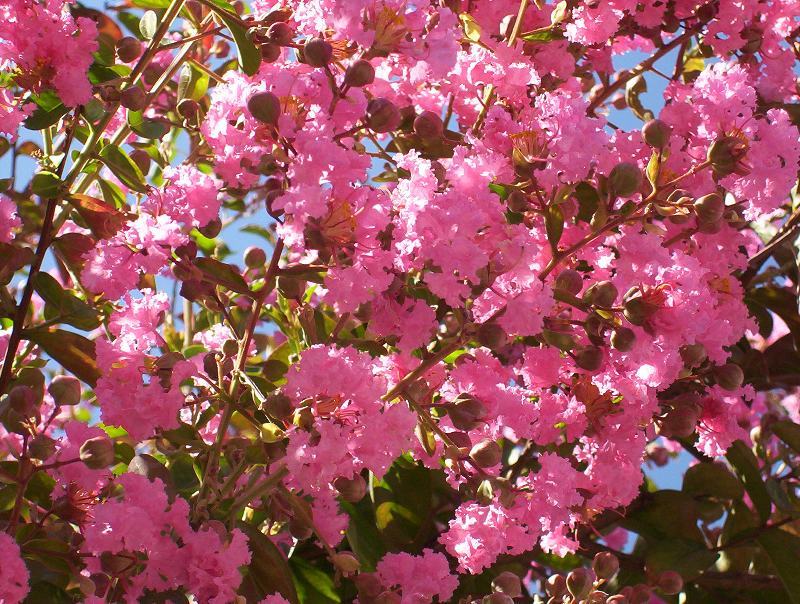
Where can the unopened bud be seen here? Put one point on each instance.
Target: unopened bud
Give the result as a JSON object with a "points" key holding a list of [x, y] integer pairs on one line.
{"points": [[623, 339], [317, 52], [605, 565], [230, 348], [589, 358], [65, 390], [602, 294], [41, 447], [625, 179], [212, 228], [361, 73], [617, 599], [670, 582], [280, 33], [270, 52], [265, 107], [508, 583], [497, 598], [486, 453], [291, 287], [97, 453], [382, 115], [570, 281], [729, 376], [351, 489], [128, 49], [518, 202], [693, 355], [278, 405], [133, 98], [637, 310], [428, 125], [709, 208], [345, 562], [255, 257], [656, 134], [680, 422], [726, 155], [579, 582], [466, 412]]}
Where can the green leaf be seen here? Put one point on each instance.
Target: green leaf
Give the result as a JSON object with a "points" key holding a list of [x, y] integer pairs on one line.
{"points": [[45, 184], [249, 55], [588, 200], [362, 533], [746, 464], [157, 4], [268, 571], [554, 225], [49, 109], [222, 274], [633, 89], [665, 514], [783, 550], [688, 558], [71, 350], [788, 432], [192, 83], [712, 479], [314, 586], [148, 25], [124, 168], [63, 304], [146, 128]]}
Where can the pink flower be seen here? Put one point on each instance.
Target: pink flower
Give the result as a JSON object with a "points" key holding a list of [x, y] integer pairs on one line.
{"points": [[13, 573], [418, 578], [8, 219]]}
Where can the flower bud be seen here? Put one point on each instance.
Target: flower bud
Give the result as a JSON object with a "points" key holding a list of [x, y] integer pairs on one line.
{"points": [[230, 348], [605, 565], [317, 52], [41, 447], [351, 489], [486, 453], [589, 358], [466, 412], [428, 125], [382, 115], [556, 586], [491, 335], [345, 562], [518, 202], [570, 281], [65, 390], [265, 107], [508, 583], [623, 339], [270, 52], [729, 376], [255, 257], [680, 422], [497, 598], [617, 599], [726, 155], [133, 98], [693, 355], [641, 594], [625, 179], [638, 310], [97, 453], [128, 49], [709, 208], [291, 287], [579, 582], [278, 405], [361, 73], [280, 33], [656, 134], [670, 582], [602, 294]]}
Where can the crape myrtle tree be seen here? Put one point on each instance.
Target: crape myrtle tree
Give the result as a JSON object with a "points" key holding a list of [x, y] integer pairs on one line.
{"points": [[499, 280]]}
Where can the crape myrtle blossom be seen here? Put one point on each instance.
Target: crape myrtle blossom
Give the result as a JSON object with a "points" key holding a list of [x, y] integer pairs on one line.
{"points": [[486, 304]]}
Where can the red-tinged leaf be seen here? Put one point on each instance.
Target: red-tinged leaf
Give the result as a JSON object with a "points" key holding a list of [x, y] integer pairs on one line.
{"points": [[71, 350], [222, 274], [73, 246], [102, 219], [12, 258], [268, 571]]}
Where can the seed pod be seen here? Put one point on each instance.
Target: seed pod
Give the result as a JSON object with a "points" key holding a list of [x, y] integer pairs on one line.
{"points": [[623, 339], [265, 107], [255, 257], [709, 208], [428, 125], [360, 73], [625, 179], [382, 115], [65, 390], [97, 453], [579, 582], [570, 281], [486, 453], [128, 49], [280, 33], [133, 98], [351, 489], [508, 583], [589, 358], [729, 376], [656, 134], [602, 294], [466, 412], [317, 52], [605, 565]]}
